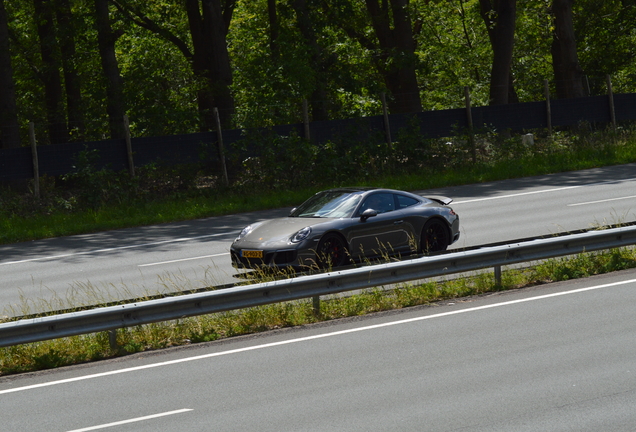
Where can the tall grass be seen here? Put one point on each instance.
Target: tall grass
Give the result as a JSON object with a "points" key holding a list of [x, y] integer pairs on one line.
{"points": [[91, 347]]}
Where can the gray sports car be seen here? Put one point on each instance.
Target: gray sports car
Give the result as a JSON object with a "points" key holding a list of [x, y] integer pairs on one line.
{"points": [[340, 226]]}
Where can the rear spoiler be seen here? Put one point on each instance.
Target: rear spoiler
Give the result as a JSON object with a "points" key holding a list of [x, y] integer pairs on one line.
{"points": [[440, 199]]}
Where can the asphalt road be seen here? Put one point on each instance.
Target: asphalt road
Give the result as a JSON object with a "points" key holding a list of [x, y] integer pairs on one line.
{"points": [[121, 264], [558, 357]]}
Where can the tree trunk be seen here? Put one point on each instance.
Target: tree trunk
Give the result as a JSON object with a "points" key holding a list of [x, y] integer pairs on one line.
{"points": [[50, 71], [9, 130], [318, 98], [216, 20], [211, 61], [66, 36], [499, 17], [274, 29], [568, 74], [114, 86], [397, 58]]}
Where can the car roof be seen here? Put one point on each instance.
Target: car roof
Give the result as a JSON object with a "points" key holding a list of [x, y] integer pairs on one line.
{"points": [[350, 189], [367, 189]]}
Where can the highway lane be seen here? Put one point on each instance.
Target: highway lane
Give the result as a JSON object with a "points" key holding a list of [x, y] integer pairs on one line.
{"points": [[527, 207], [186, 255], [557, 357]]}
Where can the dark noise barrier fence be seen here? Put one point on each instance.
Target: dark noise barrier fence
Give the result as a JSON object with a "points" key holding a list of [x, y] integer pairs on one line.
{"points": [[60, 159]]}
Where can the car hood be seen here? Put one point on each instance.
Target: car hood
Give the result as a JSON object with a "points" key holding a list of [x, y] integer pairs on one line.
{"points": [[280, 230]]}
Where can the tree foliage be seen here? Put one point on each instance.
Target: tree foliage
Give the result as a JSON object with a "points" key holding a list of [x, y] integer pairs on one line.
{"points": [[171, 62]]}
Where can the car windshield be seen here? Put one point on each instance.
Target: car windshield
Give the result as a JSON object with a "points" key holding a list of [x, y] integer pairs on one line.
{"points": [[329, 204]]}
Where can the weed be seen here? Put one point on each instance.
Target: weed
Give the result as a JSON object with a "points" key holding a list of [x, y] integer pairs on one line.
{"points": [[55, 353]]}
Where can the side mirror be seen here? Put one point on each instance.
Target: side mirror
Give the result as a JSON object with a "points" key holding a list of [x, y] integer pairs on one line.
{"points": [[368, 213]]}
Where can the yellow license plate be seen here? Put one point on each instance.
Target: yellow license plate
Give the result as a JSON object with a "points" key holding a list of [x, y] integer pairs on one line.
{"points": [[252, 254]]}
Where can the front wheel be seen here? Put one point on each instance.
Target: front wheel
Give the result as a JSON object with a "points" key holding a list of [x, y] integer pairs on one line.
{"points": [[435, 237], [332, 251]]}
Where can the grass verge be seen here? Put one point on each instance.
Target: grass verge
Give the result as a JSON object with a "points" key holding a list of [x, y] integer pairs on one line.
{"points": [[96, 346]]}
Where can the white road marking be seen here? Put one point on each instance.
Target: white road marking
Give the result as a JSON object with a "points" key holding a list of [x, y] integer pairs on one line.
{"points": [[515, 195], [52, 257], [601, 201], [314, 337], [150, 417], [183, 259], [540, 191]]}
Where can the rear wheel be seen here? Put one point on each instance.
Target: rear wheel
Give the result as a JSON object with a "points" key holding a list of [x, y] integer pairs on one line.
{"points": [[332, 251], [435, 237]]}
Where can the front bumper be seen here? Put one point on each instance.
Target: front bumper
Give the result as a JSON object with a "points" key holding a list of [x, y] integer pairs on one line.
{"points": [[276, 258]]}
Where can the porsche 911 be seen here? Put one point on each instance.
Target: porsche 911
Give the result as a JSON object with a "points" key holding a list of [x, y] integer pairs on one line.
{"points": [[341, 226]]}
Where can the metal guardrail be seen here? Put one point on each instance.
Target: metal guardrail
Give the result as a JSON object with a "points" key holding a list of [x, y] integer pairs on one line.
{"points": [[166, 309]]}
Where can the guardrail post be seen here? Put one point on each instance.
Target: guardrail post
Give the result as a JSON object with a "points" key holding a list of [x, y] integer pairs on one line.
{"points": [[112, 339], [316, 305], [498, 275]]}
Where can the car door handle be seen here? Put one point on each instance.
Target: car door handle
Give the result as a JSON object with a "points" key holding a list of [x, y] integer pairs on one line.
{"points": [[398, 222]]}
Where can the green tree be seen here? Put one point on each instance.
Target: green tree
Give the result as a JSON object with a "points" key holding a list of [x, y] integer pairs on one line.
{"points": [[66, 31], [106, 39], [454, 52], [532, 60], [319, 62], [500, 19], [385, 30], [49, 73], [568, 74], [209, 21], [606, 40], [9, 131], [279, 61]]}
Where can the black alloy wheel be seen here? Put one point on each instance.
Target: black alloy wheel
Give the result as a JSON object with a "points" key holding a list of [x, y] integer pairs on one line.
{"points": [[435, 237], [332, 251]]}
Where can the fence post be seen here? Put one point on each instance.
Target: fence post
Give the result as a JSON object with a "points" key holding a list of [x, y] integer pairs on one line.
{"points": [[36, 164], [219, 139], [546, 90], [387, 125], [469, 117], [306, 120], [610, 94], [131, 163]]}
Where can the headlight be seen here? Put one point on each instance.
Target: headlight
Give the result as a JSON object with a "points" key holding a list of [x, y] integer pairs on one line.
{"points": [[248, 229], [300, 235]]}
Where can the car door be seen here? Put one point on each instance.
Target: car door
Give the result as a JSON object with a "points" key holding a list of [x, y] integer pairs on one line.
{"points": [[380, 235]]}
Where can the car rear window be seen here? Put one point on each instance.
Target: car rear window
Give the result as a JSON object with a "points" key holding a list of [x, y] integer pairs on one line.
{"points": [[404, 201]]}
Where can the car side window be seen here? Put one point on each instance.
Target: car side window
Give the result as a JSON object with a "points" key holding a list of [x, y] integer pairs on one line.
{"points": [[404, 201], [380, 202]]}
